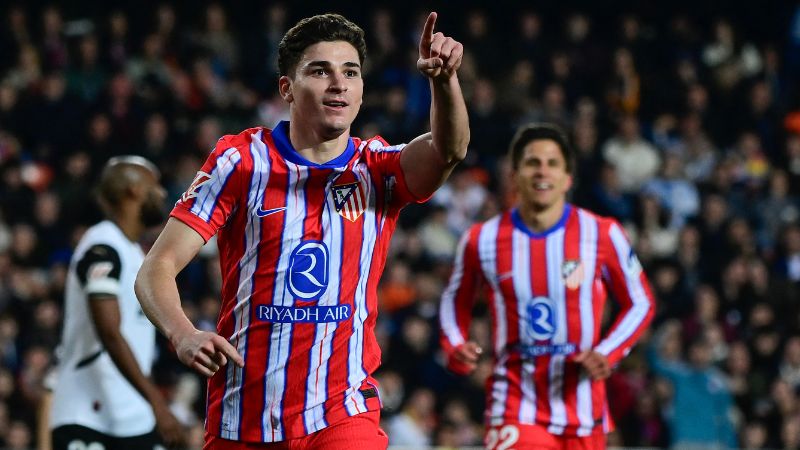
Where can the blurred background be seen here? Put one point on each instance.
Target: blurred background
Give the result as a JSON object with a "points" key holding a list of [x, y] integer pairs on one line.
{"points": [[686, 121]]}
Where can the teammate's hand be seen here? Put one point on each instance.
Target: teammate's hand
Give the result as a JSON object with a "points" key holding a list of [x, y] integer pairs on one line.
{"points": [[439, 55], [595, 364], [168, 426], [464, 359], [206, 352]]}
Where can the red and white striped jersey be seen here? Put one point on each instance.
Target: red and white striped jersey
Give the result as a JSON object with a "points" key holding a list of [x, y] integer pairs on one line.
{"points": [[546, 294], [302, 247]]}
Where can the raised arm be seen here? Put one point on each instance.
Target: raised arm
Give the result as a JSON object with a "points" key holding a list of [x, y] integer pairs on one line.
{"points": [[157, 291], [428, 160]]}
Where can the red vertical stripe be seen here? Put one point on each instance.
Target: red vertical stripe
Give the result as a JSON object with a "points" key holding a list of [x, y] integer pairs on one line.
{"points": [[505, 265], [297, 370], [352, 240], [572, 252], [539, 287]]}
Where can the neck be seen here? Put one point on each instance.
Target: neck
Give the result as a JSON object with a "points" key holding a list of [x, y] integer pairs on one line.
{"points": [[132, 229], [538, 219], [315, 147]]}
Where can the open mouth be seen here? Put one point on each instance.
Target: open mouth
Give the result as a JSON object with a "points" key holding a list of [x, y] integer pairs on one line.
{"points": [[335, 103], [542, 186]]}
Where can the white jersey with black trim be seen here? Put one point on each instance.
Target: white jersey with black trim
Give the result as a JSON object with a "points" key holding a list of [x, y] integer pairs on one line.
{"points": [[90, 390]]}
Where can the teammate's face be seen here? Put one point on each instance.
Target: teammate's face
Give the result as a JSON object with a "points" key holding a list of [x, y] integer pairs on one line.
{"points": [[541, 178], [326, 91], [152, 211]]}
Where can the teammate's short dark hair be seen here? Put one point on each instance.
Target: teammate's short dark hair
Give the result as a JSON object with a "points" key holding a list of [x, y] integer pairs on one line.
{"points": [[536, 132], [319, 28]]}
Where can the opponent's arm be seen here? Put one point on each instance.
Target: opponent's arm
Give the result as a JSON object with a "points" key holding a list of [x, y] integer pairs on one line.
{"points": [[106, 318]]}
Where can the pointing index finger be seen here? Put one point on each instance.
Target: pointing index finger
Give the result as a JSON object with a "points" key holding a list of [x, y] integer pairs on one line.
{"points": [[427, 33]]}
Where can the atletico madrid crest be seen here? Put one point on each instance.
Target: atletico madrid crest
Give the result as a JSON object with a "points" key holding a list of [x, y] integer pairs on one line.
{"points": [[348, 196], [572, 273]]}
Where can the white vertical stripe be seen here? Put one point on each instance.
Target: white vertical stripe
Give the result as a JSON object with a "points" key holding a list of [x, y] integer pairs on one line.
{"points": [[487, 252], [641, 304], [355, 362], [555, 286], [275, 379], [231, 402], [208, 192], [588, 257], [521, 268], [317, 383], [447, 307]]}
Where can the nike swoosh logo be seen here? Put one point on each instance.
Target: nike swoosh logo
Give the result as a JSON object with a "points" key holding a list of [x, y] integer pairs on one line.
{"points": [[265, 212]]}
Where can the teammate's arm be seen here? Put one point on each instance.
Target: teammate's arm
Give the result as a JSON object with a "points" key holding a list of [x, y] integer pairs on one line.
{"points": [[628, 282], [428, 160], [455, 310], [106, 318], [157, 291]]}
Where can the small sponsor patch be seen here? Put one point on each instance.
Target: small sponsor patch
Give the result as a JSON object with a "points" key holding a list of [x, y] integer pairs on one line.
{"points": [[199, 180]]}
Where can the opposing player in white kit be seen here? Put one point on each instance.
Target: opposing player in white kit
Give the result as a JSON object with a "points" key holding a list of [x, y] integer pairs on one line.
{"points": [[103, 398]]}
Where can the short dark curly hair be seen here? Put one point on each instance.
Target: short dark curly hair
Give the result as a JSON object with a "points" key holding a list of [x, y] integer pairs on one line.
{"points": [[320, 28], [540, 131]]}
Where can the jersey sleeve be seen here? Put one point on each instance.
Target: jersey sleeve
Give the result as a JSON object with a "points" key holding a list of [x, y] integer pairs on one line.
{"points": [[455, 309], [99, 270], [385, 160], [625, 278], [215, 192]]}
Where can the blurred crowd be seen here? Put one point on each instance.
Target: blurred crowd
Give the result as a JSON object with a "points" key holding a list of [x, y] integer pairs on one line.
{"points": [[686, 127]]}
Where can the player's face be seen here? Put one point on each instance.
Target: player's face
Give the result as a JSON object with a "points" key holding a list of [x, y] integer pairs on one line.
{"points": [[326, 91], [541, 178]]}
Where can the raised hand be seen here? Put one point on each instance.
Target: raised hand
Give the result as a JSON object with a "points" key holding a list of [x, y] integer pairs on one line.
{"points": [[206, 352], [439, 56]]}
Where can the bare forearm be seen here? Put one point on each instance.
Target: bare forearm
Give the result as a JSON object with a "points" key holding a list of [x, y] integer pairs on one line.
{"points": [[449, 120], [158, 295]]}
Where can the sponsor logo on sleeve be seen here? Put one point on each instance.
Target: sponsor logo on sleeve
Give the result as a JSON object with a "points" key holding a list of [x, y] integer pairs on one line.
{"points": [[199, 180]]}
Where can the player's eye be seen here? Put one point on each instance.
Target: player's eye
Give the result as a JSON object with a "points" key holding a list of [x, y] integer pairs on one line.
{"points": [[351, 73]]}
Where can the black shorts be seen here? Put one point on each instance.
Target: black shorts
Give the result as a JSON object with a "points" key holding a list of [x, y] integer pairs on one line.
{"points": [[76, 437]]}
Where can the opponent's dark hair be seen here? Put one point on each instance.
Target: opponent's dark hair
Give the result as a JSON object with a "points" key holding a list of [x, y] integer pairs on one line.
{"points": [[319, 28]]}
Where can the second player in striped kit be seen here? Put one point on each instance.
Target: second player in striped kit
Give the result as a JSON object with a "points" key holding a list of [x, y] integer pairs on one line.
{"points": [[547, 267]]}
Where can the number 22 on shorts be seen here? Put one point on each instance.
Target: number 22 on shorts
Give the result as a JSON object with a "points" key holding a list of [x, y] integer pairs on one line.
{"points": [[502, 438]]}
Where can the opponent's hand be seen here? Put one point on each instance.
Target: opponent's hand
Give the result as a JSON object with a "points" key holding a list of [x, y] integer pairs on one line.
{"points": [[169, 427], [439, 56], [595, 364], [206, 352], [464, 359]]}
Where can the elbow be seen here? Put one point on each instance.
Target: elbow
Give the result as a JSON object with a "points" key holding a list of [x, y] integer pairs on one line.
{"points": [[459, 152]]}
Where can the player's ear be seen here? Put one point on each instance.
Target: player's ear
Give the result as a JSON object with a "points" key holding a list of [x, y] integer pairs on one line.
{"points": [[285, 88], [569, 182]]}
